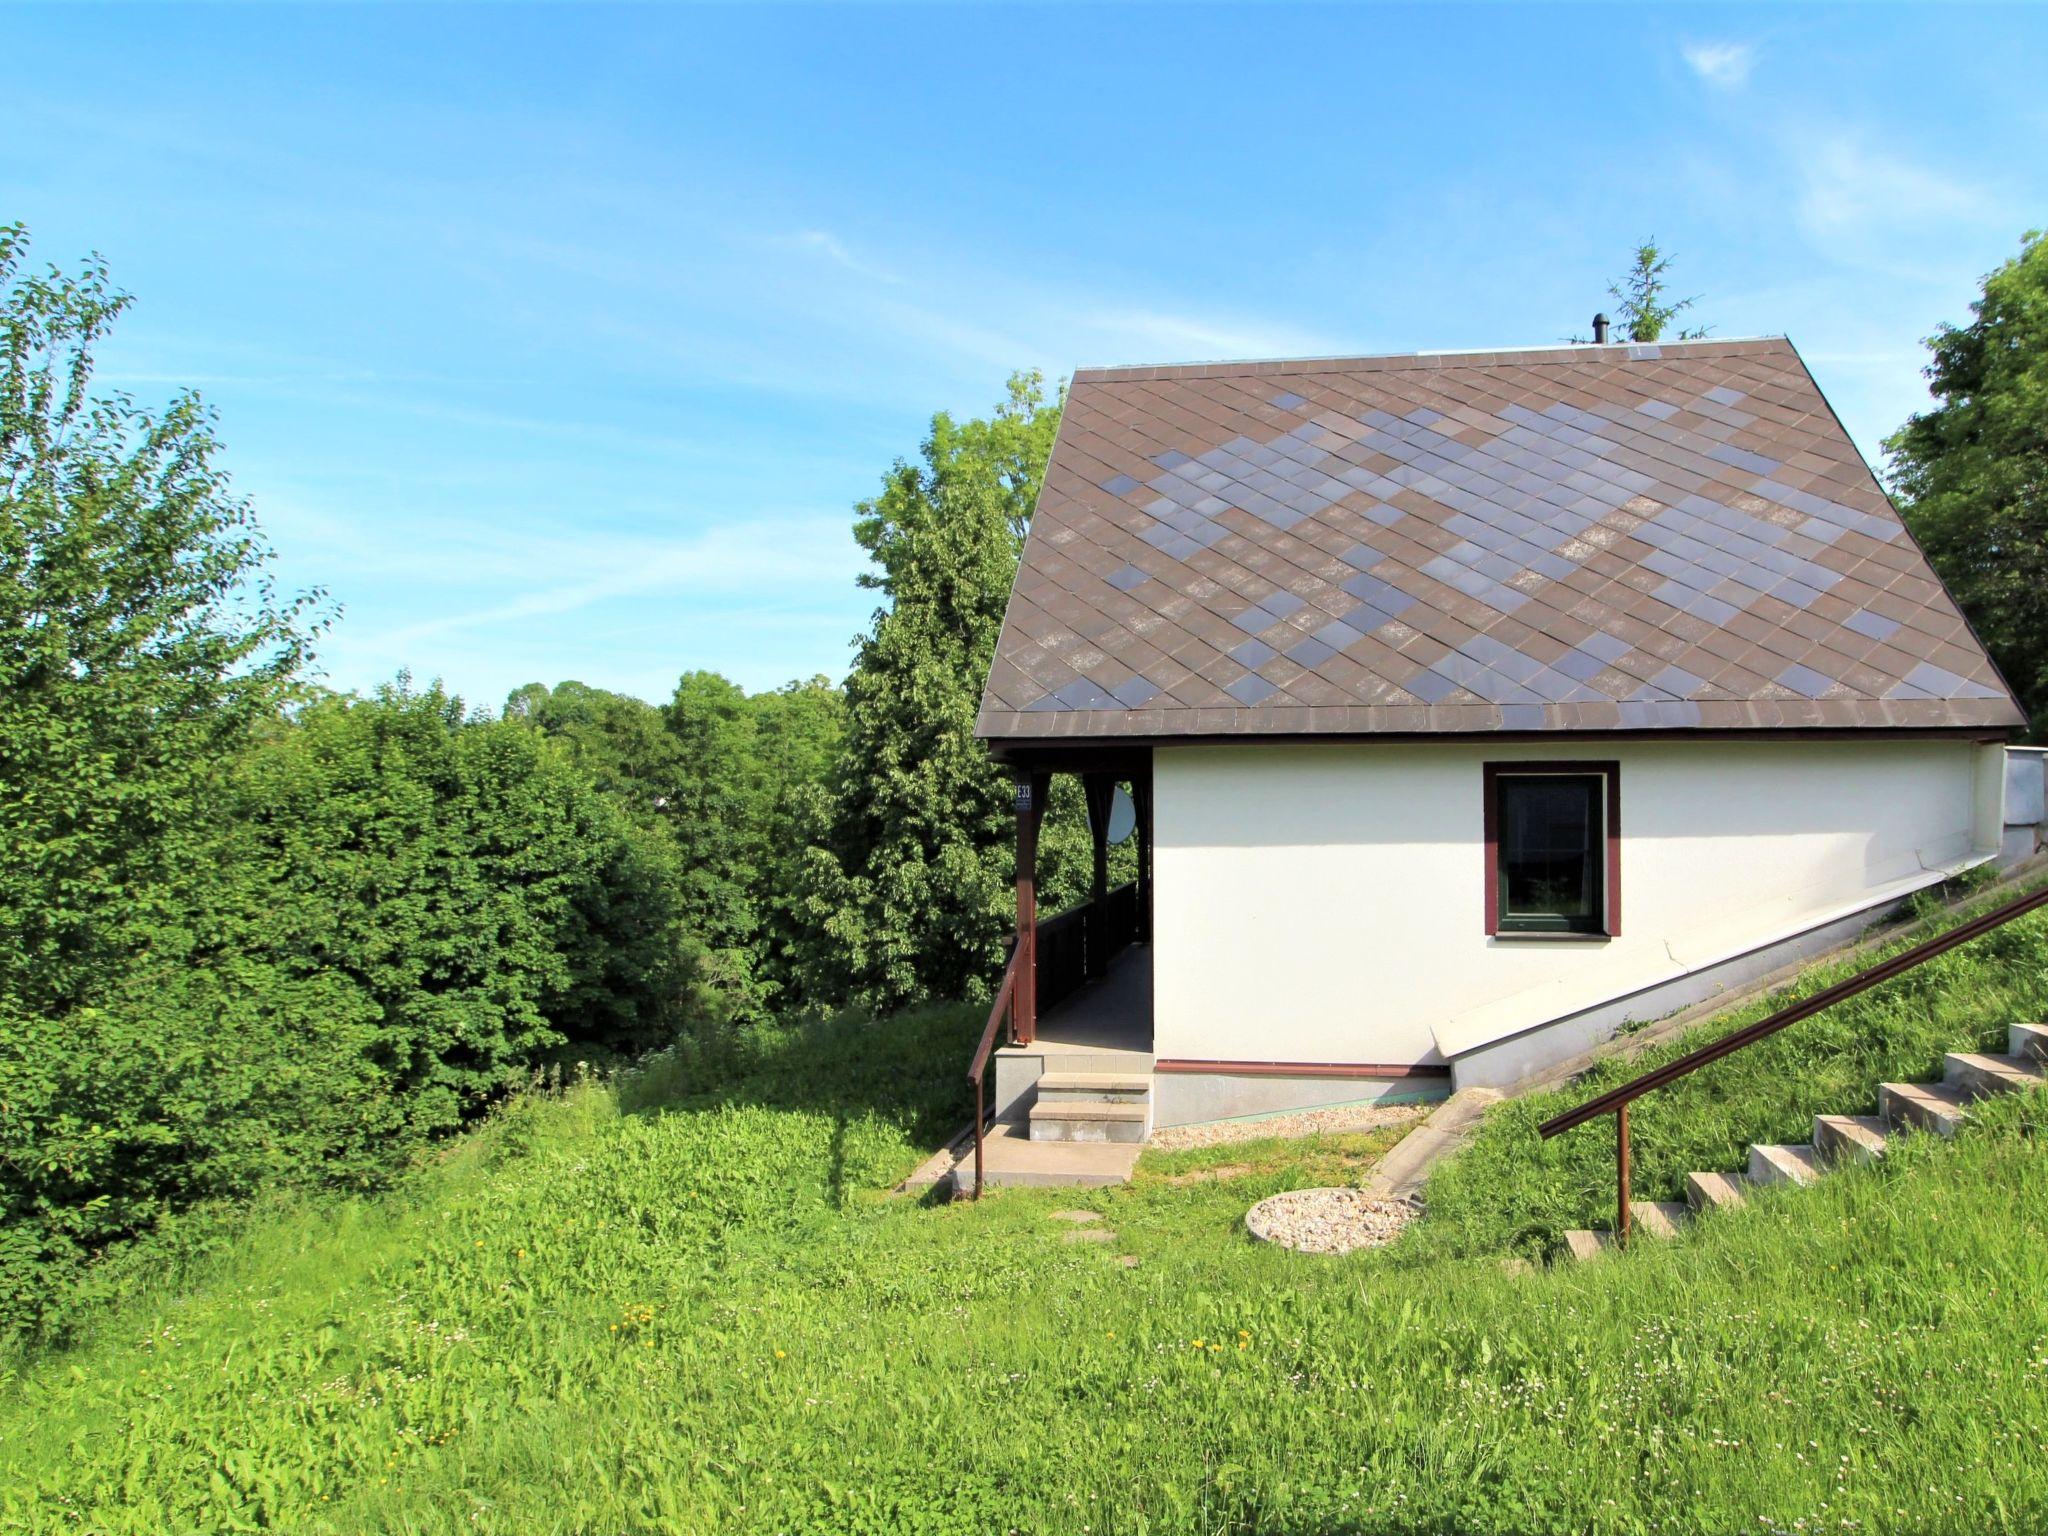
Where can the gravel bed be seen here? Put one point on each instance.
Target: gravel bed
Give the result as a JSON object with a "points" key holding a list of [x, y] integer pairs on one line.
{"points": [[1328, 1220], [1307, 1122]]}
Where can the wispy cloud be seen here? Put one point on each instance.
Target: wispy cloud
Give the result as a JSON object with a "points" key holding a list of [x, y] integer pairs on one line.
{"points": [[1850, 186], [1156, 336], [1723, 65], [822, 242], [759, 561]]}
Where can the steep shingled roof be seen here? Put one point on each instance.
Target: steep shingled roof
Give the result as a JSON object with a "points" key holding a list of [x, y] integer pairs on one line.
{"points": [[1563, 539]]}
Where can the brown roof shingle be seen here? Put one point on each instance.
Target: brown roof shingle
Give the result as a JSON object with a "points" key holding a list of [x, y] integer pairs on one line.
{"points": [[1566, 539]]}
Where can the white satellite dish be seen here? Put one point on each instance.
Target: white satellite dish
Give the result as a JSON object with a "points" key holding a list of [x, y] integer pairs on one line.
{"points": [[1123, 816]]}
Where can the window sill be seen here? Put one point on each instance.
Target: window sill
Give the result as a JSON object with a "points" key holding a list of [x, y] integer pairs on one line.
{"points": [[1551, 938]]}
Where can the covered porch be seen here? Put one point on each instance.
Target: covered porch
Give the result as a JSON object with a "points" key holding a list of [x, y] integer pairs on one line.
{"points": [[1105, 1017], [1068, 1043], [1073, 985]]}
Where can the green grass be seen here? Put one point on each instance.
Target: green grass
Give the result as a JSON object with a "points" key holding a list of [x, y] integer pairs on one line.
{"points": [[678, 1303]]}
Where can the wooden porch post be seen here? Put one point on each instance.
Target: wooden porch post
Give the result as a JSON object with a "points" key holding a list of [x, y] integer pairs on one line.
{"points": [[1141, 802], [1031, 790], [1101, 789]]}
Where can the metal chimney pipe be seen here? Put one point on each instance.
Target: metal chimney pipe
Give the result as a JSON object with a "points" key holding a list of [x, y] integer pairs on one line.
{"points": [[1599, 330]]}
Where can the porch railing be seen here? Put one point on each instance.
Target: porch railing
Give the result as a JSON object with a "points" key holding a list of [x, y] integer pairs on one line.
{"points": [[1063, 945], [1065, 942], [1063, 955], [999, 1014], [1616, 1101]]}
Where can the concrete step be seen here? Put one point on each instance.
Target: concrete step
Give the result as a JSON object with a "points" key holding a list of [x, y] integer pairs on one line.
{"points": [[2027, 1040], [1657, 1218], [1714, 1191], [1093, 1088], [1582, 1245], [1981, 1076], [1090, 1122], [1849, 1138], [1786, 1164], [1010, 1157], [1069, 1059], [1925, 1106]]}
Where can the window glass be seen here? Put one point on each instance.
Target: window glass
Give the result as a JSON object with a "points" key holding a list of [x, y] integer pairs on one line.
{"points": [[1552, 847]]}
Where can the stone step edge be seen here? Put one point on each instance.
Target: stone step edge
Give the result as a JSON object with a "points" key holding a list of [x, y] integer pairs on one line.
{"points": [[1787, 1162], [1082, 1110], [1094, 1082]]}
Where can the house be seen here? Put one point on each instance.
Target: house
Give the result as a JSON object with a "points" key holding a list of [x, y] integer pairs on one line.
{"points": [[1471, 706]]}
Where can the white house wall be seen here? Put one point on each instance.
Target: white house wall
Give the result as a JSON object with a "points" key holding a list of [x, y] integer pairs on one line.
{"points": [[1325, 903]]}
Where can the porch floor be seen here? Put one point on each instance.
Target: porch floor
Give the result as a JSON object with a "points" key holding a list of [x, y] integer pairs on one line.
{"points": [[1107, 1018]]}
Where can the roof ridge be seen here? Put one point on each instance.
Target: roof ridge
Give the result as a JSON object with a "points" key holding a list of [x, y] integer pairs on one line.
{"points": [[1711, 346]]}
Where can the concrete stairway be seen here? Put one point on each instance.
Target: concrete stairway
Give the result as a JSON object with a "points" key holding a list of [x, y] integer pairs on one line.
{"points": [[1837, 1139], [1092, 1106], [1083, 1124]]}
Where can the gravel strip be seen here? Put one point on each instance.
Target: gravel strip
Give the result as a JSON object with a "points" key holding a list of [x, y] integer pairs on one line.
{"points": [[1307, 1122], [1328, 1220]]}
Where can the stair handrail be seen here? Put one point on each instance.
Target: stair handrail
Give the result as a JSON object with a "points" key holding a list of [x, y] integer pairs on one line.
{"points": [[1615, 1101], [1000, 1012]]}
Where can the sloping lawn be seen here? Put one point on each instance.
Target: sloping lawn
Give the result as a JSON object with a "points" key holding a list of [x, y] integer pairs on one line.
{"points": [[679, 1306]]}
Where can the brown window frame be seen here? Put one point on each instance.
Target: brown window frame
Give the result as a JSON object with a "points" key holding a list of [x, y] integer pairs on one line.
{"points": [[1608, 769]]}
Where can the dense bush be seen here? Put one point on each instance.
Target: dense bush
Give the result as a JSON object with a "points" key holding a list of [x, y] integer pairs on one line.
{"points": [[400, 912]]}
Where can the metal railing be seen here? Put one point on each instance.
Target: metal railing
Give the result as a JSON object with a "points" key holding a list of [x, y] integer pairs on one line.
{"points": [[1616, 1101], [1061, 944], [999, 1013]]}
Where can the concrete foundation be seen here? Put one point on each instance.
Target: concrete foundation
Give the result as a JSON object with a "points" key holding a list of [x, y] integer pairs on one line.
{"points": [[1504, 1063], [1194, 1098]]}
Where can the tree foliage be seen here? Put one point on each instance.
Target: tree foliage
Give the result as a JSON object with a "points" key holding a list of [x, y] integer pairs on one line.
{"points": [[1972, 473], [1641, 295], [247, 935], [908, 895], [139, 643], [729, 779]]}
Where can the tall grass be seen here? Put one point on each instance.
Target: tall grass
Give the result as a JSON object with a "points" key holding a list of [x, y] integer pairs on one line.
{"points": [[622, 1310]]}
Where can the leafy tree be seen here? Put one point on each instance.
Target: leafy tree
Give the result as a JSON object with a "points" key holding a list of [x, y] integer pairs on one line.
{"points": [[622, 743], [241, 944], [799, 729], [724, 775], [140, 643], [403, 911], [1972, 473], [1640, 294], [907, 894]]}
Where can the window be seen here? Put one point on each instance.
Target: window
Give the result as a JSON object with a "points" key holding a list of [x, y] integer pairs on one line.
{"points": [[1553, 839]]}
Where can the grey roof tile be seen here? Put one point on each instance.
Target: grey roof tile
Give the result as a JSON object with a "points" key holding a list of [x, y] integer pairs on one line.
{"points": [[1592, 493]]}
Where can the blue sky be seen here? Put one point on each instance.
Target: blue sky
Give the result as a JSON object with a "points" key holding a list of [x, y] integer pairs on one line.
{"points": [[559, 342]]}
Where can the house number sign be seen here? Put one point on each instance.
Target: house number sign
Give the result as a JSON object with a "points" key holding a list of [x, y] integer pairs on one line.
{"points": [[1023, 794]]}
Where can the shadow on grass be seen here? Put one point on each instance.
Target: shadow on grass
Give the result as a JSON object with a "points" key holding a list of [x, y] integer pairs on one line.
{"points": [[908, 1070]]}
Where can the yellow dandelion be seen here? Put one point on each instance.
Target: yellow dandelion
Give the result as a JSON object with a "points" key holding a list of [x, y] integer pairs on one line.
{"points": [[780, 1355]]}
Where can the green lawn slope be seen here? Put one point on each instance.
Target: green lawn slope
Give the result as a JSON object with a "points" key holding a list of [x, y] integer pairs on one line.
{"points": [[679, 1303]]}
